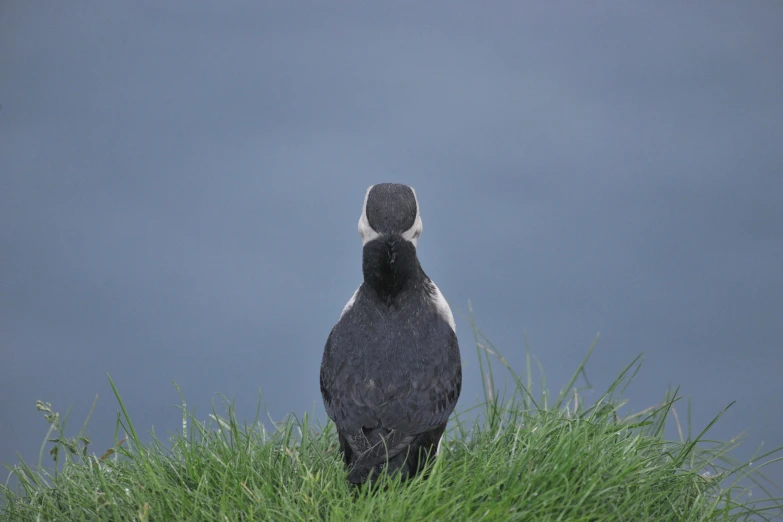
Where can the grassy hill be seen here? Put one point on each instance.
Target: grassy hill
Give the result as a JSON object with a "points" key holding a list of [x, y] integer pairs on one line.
{"points": [[524, 457]]}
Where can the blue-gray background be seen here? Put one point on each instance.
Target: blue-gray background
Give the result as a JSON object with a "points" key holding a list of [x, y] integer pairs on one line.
{"points": [[180, 186]]}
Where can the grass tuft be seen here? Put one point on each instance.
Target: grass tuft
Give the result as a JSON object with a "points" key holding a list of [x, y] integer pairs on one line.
{"points": [[525, 456]]}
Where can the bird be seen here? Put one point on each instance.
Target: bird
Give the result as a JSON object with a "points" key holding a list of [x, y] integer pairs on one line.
{"points": [[391, 372]]}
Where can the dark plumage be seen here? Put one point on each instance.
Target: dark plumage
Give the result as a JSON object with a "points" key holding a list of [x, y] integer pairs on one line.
{"points": [[391, 372]]}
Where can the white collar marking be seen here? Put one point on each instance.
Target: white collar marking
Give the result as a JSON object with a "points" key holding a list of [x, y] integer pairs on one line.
{"points": [[441, 305]]}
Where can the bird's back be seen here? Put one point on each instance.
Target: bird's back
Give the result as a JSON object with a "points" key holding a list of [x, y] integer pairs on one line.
{"points": [[390, 378]]}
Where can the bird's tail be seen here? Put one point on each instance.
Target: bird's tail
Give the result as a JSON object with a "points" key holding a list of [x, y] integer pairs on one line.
{"points": [[407, 460], [395, 465]]}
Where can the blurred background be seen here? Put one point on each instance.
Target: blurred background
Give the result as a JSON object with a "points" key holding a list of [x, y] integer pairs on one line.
{"points": [[180, 185]]}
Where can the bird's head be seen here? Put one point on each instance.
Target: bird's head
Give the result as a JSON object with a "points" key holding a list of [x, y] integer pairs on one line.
{"points": [[390, 209]]}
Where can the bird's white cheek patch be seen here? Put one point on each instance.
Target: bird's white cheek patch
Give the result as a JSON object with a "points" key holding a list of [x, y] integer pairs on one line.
{"points": [[443, 308], [413, 233], [366, 231]]}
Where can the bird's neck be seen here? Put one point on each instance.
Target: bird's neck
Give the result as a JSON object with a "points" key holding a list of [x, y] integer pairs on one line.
{"points": [[390, 266]]}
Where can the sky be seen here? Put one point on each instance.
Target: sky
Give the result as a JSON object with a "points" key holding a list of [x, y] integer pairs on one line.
{"points": [[180, 185]]}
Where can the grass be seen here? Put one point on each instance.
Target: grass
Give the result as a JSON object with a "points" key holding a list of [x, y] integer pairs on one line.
{"points": [[525, 456]]}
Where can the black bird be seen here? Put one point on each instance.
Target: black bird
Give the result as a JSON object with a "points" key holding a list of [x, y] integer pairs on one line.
{"points": [[391, 371]]}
